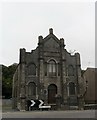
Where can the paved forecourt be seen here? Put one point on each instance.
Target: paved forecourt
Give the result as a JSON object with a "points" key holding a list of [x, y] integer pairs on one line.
{"points": [[51, 114]]}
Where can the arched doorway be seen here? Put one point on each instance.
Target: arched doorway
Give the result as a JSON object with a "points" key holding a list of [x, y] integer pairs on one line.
{"points": [[52, 91]]}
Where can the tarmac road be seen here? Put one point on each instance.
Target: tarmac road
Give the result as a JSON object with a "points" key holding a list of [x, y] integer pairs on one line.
{"points": [[51, 114]]}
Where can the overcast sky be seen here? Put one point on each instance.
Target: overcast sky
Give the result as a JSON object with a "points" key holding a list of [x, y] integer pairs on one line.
{"points": [[23, 22]]}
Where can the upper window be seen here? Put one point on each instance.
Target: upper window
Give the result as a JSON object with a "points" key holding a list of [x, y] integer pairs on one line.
{"points": [[32, 69], [70, 70], [71, 88], [52, 68]]}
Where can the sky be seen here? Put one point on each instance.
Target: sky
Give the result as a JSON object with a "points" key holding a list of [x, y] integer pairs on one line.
{"points": [[23, 22]]}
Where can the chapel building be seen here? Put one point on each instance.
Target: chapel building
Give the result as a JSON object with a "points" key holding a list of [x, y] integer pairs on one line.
{"points": [[49, 73]]}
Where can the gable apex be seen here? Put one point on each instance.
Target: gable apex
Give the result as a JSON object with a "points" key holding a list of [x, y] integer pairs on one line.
{"points": [[51, 35], [50, 38], [50, 31]]}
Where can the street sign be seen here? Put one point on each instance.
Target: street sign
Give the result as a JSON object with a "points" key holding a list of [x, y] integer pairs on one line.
{"points": [[36, 103], [39, 104], [33, 103]]}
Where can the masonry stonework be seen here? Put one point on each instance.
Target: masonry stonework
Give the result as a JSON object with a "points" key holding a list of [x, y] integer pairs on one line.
{"points": [[49, 73]]}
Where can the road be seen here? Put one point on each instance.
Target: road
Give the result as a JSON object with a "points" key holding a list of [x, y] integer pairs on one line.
{"points": [[51, 114]]}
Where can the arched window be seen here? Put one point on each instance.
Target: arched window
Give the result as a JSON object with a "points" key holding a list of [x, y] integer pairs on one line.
{"points": [[31, 89], [70, 70], [52, 68], [59, 69], [32, 69], [71, 88], [45, 69]]}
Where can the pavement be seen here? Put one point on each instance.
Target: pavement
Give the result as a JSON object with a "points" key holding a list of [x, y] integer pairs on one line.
{"points": [[51, 114]]}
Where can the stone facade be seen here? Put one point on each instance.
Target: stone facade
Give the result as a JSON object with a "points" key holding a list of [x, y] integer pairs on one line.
{"points": [[49, 73]]}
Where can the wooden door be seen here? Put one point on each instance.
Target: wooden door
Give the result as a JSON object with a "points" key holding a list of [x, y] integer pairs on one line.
{"points": [[52, 91]]}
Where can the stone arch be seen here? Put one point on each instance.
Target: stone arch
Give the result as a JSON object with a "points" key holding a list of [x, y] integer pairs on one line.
{"points": [[52, 91], [52, 59]]}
